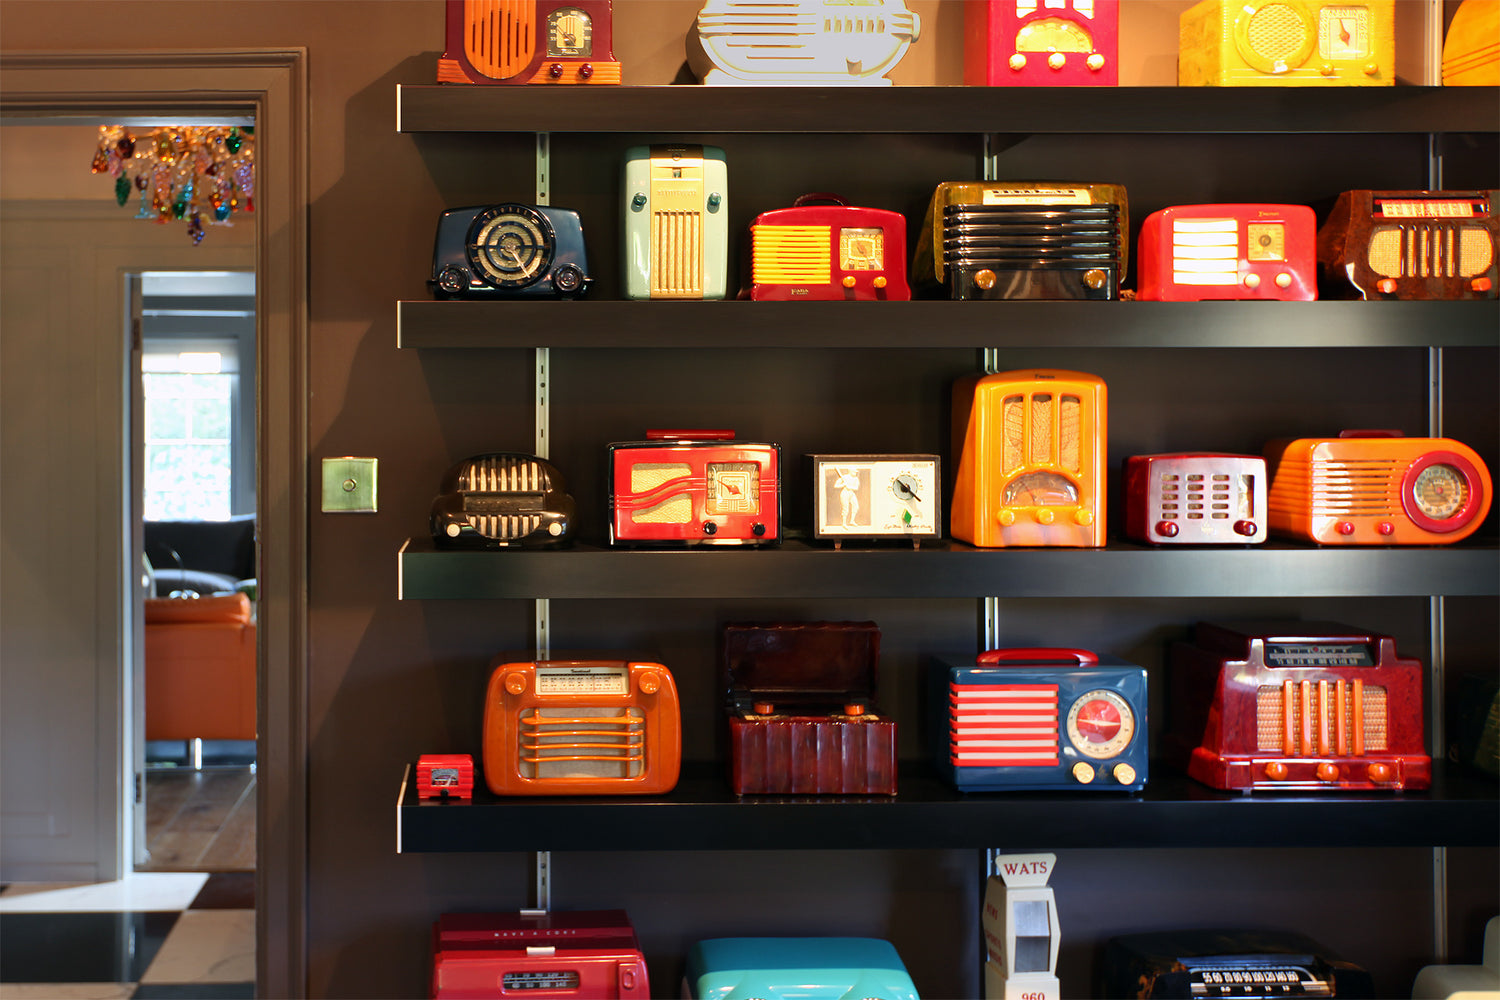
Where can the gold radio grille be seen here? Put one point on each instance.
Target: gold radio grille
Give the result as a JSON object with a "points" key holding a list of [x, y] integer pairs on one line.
{"points": [[582, 742], [1425, 251], [1354, 487], [1277, 31], [677, 254], [1055, 435], [1320, 717], [791, 255], [499, 36], [647, 476]]}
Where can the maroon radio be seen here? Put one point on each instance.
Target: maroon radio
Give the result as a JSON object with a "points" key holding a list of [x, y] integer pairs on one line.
{"points": [[1264, 706], [828, 251], [491, 956], [1413, 244], [694, 487], [1195, 498], [802, 715], [528, 41], [1041, 43], [1194, 253]]}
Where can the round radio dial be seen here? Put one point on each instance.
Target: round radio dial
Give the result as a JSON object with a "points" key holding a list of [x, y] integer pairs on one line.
{"points": [[1100, 724], [511, 246], [1439, 491]]}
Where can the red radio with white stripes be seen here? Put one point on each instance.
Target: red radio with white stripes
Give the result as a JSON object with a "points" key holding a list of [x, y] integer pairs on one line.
{"points": [[1194, 253], [1031, 719]]}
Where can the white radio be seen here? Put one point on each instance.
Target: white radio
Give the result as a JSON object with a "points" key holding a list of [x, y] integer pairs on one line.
{"points": [[801, 42]]}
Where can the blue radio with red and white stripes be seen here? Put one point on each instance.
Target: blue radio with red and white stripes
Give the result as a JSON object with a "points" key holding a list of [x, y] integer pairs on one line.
{"points": [[1034, 719]]}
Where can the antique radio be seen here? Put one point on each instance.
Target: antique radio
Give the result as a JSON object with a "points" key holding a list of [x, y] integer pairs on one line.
{"points": [[1041, 43], [1256, 965], [1019, 240], [584, 954], [445, 775], [808, 968], [1362, 489], [817, 43], [581, 727], [1471, 49], [1031, 469], [676, 222], [1034, 719], [1195, 498], [694, 487], [502, 500], [528, 41], [1260, 706], [802, 713], [509, 251], [1260, 43], [876, 496], [1191, 253], [828, 251], [1413, 244], [1021, 934]]}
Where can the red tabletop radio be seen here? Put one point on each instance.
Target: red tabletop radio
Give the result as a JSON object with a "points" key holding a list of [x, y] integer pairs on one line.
{"points": [[1041, 43], [528, 41], [828, 251], [697, 487], [1192, 253], [491, 956], [1195, 498]]}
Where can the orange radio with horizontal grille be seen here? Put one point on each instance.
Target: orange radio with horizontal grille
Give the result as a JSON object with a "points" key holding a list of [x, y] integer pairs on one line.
{"points": [[1296, 705], [1376, 488], [528, 41], [1413, 244], [1032, 465], [581, 727]]}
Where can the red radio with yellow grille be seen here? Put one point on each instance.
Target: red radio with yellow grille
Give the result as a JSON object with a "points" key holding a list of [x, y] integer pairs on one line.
{"points": [[828, 251], [1260, 706], [1376, 488], [1413, 244], [1032, 465], [528, 41], [581, 727], [694, 487]]}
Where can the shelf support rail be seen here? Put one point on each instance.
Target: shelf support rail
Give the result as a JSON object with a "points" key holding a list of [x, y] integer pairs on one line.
{"points": [[542, 901], [541, 418]]}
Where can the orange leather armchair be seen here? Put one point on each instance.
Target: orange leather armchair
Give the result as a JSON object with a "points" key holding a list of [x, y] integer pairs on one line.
{"points": [[200, 668]]}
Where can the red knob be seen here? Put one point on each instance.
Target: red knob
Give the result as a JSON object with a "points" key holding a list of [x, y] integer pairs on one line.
{"points": [[1328, 772], [1385, 528], [1387, 285], [1167, 529], [1344, 527], [1481, 284], [1276, 771], [586, 70], [555, 71], [1379, 772], [1246, 528]]}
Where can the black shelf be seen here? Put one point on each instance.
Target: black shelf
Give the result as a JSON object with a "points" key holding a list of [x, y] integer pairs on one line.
{"points": [[1174, 811], [946, 569], [1333, 110], [929, 324]]}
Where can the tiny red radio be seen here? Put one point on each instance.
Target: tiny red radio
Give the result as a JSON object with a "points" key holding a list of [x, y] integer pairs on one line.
{"points": [[445, 775], [1041, 43], [1195, 498], [1193, 253], [491, 956], [802, 714], [697, 487], [828, 251], [1258, 706], [528, 41]]}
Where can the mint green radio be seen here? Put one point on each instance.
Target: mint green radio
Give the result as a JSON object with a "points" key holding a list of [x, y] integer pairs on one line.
{"points": [[676, 222]]}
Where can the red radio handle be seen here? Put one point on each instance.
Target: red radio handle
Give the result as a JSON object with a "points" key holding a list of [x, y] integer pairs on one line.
{"points": [[1033, 654], [820, 197], [1370, 434], [660, 434]]}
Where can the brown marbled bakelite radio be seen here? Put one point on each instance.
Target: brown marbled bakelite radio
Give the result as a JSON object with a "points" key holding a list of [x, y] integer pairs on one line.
{"points": [[1300, 706], [1413, 244]]}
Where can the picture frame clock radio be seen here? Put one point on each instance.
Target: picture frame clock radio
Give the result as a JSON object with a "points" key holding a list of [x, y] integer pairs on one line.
{"points": [[1195, 498], [1295, 706], [1041, 43], [694, 487], [676, 222], [1035, 719], [1195, 253], [800, 703], [1413, 244], [1295, 43], [528, 41], [818, 43], [824, 248], [874, 497], [502, 500], [1023, 240], [581, 954], [509, 251], [1376, 488], [581, 727], [1033, 447]]}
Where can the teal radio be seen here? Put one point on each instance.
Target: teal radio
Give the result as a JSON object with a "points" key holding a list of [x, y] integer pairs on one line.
{"points": [[810, 968]]}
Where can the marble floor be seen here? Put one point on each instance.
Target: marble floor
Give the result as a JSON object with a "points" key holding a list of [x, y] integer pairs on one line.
{"points": [[150, 936]]}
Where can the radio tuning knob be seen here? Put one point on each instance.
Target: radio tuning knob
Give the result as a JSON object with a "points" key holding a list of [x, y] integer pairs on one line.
{"points": [[1370, 69], [985, 279], [586, 70], [1344, 527], [1018, 62], [1094, 278], [1276, 771], [757, 529], [1328, 771], [1167, 529], [764, 707], [854, 709], [453, 530], [1387, 285], [1481, 284], [555, 71], [649, 682], [879, 281], [1006, 518], [515, 682], [638, 202], [1057, 60], [1246, 528], [715, 199], [1252, 281], [1083, 773], [1083, 517], [1326, 69], [1095, 62], [848, 281], [1124, 773], [1385, 528], [1283, 280], [709, 527], [1378, 772], [1045, 517]]}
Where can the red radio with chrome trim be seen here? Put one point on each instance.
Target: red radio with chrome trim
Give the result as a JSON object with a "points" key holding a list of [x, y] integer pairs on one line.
{"points": [[698, 487], [490, 956], [1194, 253], [1261, 706], [1195, 498]]}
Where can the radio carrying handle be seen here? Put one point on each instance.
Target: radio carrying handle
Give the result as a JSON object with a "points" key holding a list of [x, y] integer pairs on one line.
{"points": [[1375, 433], [820, 198], [689, 435], [1034, 654]]}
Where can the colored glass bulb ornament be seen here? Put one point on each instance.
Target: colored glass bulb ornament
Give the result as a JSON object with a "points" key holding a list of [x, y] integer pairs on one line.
{"points": [[122, 189], [232, 142]]}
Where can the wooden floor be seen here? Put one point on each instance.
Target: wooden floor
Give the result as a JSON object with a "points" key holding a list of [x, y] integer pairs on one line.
{"points": [[200, 821]]}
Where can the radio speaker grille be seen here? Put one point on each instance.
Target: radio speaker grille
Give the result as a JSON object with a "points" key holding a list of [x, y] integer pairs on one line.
{"points": [[791, 255], [677, 255], [499, 36], [504, 474], [1277, 31], [582, 742], [1354, 487], [1428, 251], [647, 476], [1320, 717]]}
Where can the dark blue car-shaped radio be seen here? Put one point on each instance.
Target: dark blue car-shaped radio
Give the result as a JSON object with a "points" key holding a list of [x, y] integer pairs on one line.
{"points": [[509, 251]]}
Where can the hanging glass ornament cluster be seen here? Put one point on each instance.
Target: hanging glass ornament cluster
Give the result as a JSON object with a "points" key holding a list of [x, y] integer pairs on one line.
{"points": [[188, 173]]}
